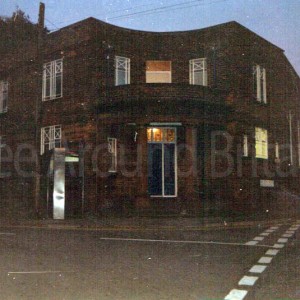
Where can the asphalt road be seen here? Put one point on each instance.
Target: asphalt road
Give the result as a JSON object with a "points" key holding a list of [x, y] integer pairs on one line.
{"points": [[241, 263]]}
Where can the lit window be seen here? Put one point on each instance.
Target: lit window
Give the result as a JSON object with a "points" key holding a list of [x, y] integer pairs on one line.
{"points": [[158, 71], [112, 149], [3, 96], [245, 145], [261, 143], [122, 68], [260, 83], [50, 138], [52, 80], [198, 71]]}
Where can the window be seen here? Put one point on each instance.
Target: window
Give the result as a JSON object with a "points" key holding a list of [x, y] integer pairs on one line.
{"points": [[112, 149], [260, 84], [261, 143], [3, 96], [198, 71], [122, 67], [245, 145], [2, 146], [50, 138], [277, 154], [158, 71], [52, 80], [162, 162]]}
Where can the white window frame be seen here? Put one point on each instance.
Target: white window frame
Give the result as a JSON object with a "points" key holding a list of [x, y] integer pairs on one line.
{"points": [[50, 136], [122, 66], [277, 152], [2, 145], [260, 78], [245, 146], [164, 141], [261, 143], [168, 73], [3, 96], [112, 149], [51, 72], [198, 65]]}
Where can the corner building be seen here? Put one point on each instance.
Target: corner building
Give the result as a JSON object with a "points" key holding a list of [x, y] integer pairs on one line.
{"points": [[197, 122]]}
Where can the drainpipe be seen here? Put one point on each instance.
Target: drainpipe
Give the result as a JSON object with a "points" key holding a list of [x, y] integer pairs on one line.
{"points": [[39, 63], [291, 138]]}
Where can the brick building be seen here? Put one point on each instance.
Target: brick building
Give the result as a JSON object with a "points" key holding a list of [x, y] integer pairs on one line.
{"points": [[165, 123]]}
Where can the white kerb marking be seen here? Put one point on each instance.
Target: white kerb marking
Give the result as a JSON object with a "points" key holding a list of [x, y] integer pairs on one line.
{"points": [[265, 233], [272, 252], [257, 269], [278, 246], [287, 235], [282, 240], [290, 232], [236, 295], [265, 260], [248, 280], [251, 243], [259, 238]]}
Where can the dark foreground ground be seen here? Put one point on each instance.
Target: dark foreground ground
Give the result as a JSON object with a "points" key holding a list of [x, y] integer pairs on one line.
{"points": [[151, 262]]}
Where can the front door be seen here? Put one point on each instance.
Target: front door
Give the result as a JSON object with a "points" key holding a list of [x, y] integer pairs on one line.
{"points": [[162, 162]]}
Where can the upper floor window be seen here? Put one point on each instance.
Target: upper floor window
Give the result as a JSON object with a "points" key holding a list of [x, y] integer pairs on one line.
{"points": [[158, 71], [50, 138], [260, 83], [112, 149], [261, 143], [3, 96], [52, 80], [122, 67], [198, 71]]}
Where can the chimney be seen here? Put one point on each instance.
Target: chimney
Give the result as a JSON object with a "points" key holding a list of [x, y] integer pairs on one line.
{"points": [[41, 23]]}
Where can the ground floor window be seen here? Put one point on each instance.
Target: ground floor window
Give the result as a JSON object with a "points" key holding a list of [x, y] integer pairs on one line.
{"points": [[162, 162], [261, 143], [50, 138]]}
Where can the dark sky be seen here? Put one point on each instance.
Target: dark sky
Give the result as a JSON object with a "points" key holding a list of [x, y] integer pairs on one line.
{"points": [[276, 20]]}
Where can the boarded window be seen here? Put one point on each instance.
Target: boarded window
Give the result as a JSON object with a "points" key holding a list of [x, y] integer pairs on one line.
{"points": [[158, 71]]}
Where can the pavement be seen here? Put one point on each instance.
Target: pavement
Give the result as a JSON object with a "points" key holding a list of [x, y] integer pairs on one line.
{"points": [[145, 223]]}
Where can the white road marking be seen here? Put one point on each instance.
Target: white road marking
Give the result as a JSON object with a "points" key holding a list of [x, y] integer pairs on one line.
{"points": [[282, 240], [179, 242], [278, 246], [274, 227], [39, 272], [259, 238], [270, 230], [251, 243], [7, 233], [265, 233], [272, 252], [248, 280], [257, 269], [265, 260], [236, 295]]}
